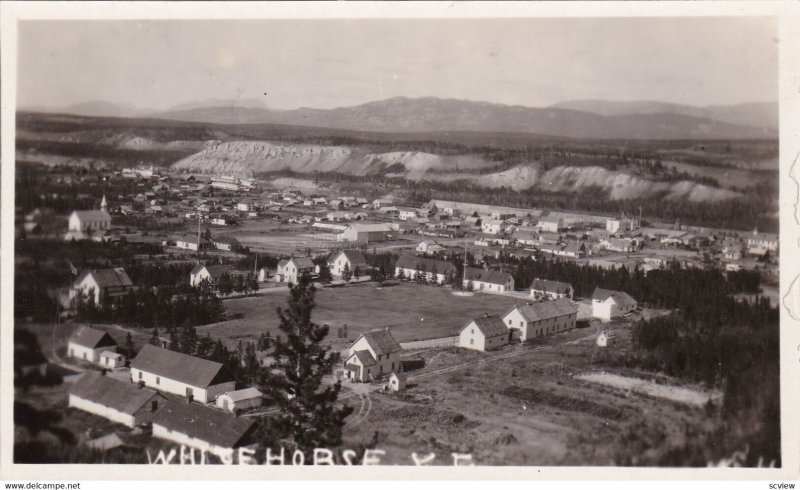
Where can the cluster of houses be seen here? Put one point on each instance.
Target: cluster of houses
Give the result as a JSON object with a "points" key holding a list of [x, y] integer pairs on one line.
{"points": [[537, 319], [186, 399]]}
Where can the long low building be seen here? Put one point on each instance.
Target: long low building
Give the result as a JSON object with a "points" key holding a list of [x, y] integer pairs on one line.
{"points": [[367, 232], [408, 266], [203, 428], [477, 279], [115, 400], [539, 319], [181, 374]]}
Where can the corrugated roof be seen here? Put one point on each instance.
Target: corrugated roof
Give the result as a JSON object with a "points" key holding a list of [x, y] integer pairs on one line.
{"points": [[550, 286], [92, 338], [124, 397], [184, 368], [207, 424], [107, 277], [490, 326], [490, 276], [533, 312], [420, 263], [382, 342]]}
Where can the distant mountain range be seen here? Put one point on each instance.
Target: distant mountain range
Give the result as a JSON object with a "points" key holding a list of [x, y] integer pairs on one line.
{"points": [[756, 114], [594, 119]]}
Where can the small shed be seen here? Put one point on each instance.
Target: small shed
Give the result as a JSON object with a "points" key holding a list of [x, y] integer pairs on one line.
{"points": [[604, 339], [111, 360], [397, 382], [240, 399]]}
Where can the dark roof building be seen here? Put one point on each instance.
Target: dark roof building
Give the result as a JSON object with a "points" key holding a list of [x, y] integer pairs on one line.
{"points": [[214, 271], [489, 276], [423, 264], [92, 338], [107, 278], [108, 397], [490, 326], [548, 286], [180, 367], [621, 298], [534, 312], [381, 342], [205, 424]]}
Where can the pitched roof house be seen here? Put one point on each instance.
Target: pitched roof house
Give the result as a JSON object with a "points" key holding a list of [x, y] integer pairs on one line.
{"points": [[372, 355], [347, 258], [290, 270], [203, 428], [551, 289], [484, 333], [88, 343], [410, 265], [210, 273], [114, 400], [181, 374], [608, 304], [488, 280], [102, 284], [189, 241], [538, 319]]}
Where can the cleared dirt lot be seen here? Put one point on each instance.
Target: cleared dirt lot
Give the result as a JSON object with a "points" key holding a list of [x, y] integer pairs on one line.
{"points": [[526, 410], [412, 312]]}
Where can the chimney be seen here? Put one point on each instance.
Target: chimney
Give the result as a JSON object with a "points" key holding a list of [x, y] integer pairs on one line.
{"points": [[486, 315]]}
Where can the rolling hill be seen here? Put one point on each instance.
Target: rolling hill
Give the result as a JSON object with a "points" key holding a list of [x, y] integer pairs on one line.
{"points": [[429, 114]]}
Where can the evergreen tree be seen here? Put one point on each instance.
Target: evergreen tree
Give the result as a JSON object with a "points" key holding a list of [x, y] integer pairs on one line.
{"points": [[325, 273], [307, 409], [129, 347], [347, 274], [225, 284], [252, 283], [154, 338]]}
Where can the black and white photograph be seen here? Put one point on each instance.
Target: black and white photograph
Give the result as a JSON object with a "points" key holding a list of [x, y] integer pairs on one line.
{"points": [[528, 241]]}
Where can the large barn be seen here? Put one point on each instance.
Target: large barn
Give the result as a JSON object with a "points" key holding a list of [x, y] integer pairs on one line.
{"points": [[181, 374]]}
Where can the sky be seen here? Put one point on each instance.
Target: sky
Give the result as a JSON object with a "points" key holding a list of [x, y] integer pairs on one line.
{"points": [[330, 63]]}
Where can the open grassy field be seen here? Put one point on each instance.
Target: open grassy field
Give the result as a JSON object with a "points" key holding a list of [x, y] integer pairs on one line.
{"points": [[412, 312], [527, 410]]}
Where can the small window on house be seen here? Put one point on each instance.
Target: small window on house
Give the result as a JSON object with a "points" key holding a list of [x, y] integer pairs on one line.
{"points": [[471, 341], [140, 375], [158, 380]]}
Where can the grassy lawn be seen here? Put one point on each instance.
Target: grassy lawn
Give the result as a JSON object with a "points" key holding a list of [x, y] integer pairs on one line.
{"points": [[412, 312]]}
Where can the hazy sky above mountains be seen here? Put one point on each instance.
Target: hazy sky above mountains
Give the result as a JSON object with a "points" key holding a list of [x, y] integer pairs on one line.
{"points": [[332, 63]]}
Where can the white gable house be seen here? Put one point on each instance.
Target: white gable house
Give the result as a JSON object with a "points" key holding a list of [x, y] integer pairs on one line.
{"points": [[484, 333], [371, 356], [607, 304]]}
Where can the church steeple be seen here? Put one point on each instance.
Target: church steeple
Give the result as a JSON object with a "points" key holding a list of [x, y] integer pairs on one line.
{"points": [[104, 204]]}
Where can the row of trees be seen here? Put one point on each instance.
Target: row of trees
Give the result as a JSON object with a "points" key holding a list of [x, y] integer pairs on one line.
{"points": [[163, 307]]}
